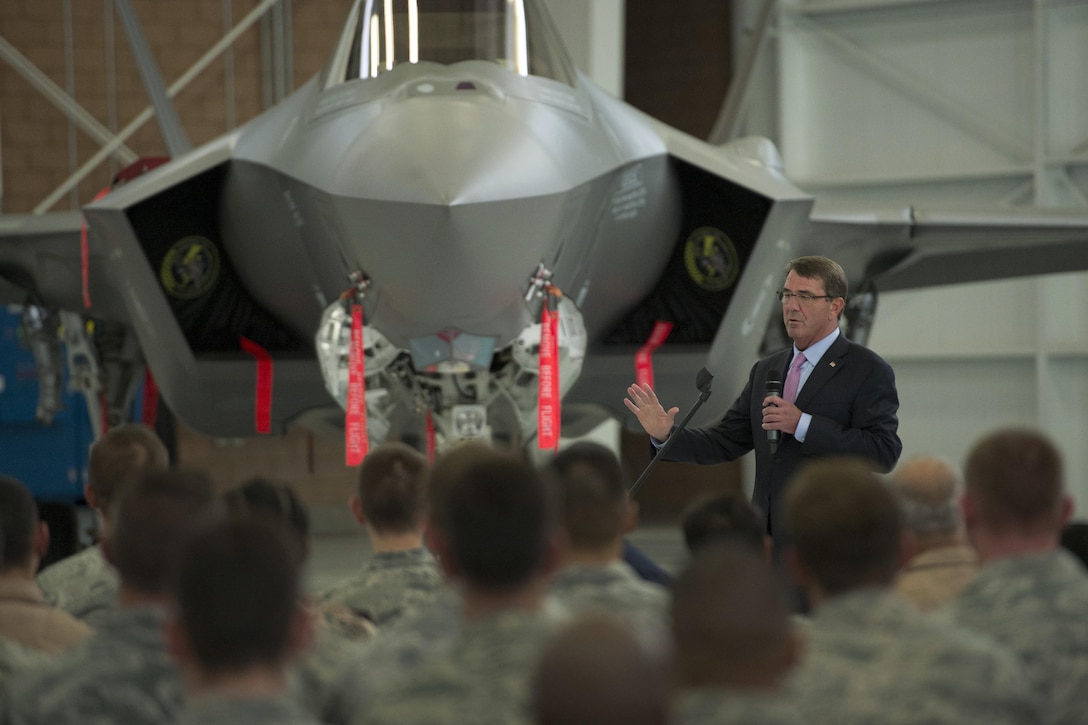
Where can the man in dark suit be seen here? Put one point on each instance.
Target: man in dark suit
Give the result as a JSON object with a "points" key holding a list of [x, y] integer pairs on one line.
{"points": [[839, 397]]}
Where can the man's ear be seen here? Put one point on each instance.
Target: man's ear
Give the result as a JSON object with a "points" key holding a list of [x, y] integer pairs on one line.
{"points": [[303, 632], [970, 510], [908, 547], [107, 551], [799, 574], [795, 650], [630, 517], [41, 539], [356, 507], [177, 641], [554, 550], [439, 544], [89, 494], [1067, 508], [802, 576]]}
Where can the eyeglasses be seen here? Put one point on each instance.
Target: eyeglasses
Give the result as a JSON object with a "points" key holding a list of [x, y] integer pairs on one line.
{"points": [[805, 298]]}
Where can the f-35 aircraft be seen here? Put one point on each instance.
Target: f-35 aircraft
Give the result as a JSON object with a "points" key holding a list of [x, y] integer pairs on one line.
{"points": [[456, 180]]}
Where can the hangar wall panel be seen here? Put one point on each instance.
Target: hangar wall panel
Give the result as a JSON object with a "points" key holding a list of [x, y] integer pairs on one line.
{"points": [[938, 102]]}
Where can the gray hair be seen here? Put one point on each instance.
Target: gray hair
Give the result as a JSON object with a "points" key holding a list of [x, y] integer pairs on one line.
{"points": [[928, 489]]}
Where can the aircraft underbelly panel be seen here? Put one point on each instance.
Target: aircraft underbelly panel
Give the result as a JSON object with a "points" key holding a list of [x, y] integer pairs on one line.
{"points": [[191, 312], [434, 267]]}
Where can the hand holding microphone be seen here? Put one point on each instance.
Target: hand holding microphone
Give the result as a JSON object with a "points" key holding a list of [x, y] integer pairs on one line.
{"points": [[774, 387]]}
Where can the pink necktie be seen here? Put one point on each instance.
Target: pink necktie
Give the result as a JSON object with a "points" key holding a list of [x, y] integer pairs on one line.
{"points": [[793, 378]]}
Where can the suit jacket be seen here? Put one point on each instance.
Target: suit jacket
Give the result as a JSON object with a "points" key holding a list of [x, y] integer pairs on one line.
{"points": [[851, 397]]}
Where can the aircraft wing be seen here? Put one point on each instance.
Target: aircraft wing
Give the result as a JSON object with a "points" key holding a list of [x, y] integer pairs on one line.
{"points": [[925, 246], [768, 222], [42, 261]]}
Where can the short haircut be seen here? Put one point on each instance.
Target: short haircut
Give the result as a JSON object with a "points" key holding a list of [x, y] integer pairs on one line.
{"points": [[592, 489], [237, 590], [393, 488], [929, 489], [495, 512], [120, 456], [1015, 475], [597, 671], [725, 517], [729, 616], [826, 270], [151, 519], [273, 502], [846, 525], [18, 520]]}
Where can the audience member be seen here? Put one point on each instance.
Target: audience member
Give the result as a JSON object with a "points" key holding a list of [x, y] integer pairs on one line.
{"points": [[943, 563], [870, 655], [735, 642], [339, 632], [123, 672], [494, 536], [597, 671], [596, 513], [25, 616], [391, 503], [239, 624], [85, 585], [14, 657], [723, 518], [1029, 595]]}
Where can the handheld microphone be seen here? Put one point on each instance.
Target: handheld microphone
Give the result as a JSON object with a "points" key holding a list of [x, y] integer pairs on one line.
{"points": [[774, 387]]}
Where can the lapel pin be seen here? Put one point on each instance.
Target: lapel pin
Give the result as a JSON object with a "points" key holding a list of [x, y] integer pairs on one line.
{"points": [[832, 363]]}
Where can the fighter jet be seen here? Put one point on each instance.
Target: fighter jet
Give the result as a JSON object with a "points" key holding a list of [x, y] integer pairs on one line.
{"points": [[450, 229]]}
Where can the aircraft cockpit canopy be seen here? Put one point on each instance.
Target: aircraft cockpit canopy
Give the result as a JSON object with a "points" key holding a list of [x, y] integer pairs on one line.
{"points": [[516, 34]]}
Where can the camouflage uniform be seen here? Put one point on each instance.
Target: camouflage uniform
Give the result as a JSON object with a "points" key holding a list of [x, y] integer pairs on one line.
{"points": [[483, 677], [335, 646], [394, 652], [873, 658], [221, 710], [84, 584], [389, 584], [613, 587], [706, 705], [936, 576], [1035, 605], [122, 674], [15, 658], [26, 618]]}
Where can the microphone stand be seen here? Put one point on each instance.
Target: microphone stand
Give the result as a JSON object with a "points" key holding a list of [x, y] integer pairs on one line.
{"points": [[702, 382]]}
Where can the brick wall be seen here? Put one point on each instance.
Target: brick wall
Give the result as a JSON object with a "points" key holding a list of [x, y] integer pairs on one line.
{"points": [[35, 149], [677, 69], [35, 155], [678, 60]]}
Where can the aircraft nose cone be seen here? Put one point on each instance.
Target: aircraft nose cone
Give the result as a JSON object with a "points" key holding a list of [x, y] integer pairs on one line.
{"points": [[449, 150]]}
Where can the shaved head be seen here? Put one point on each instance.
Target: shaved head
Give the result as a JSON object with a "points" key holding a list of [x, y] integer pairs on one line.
{"points": [[597, 672], [1015, 477], [847, 525], [730, 621]]}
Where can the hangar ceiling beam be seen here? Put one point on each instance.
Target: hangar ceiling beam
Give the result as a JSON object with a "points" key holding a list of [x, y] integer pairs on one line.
{"points": [[62, 100], [148, 113], [177, 142]]}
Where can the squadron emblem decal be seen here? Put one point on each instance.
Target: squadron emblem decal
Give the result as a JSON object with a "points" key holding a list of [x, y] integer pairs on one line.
{"points": [[711, 259], [190, 268]]}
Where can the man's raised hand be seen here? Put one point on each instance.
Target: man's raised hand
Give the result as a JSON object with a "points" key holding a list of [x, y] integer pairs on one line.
{"points": [[655, 420]]}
